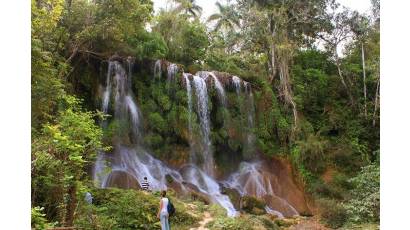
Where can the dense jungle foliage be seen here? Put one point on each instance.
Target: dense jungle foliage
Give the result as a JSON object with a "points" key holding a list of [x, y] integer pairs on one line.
{"points": [[313, 66]]}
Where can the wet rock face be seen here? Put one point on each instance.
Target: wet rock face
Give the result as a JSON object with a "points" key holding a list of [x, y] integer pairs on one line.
{"points": [[120, 179], [233, 195], [253, 205], [194, 192], [271, 181], [289, 191]]}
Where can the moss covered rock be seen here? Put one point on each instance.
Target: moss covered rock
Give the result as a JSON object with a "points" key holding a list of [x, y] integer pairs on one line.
{"points": [[253, 205]]}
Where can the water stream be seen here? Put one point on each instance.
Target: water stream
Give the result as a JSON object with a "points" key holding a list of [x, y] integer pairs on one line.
{"points": [[129, 160], [201, 93]]}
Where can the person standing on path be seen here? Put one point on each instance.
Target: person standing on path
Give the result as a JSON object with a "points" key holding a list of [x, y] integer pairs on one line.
{"points": [[145, 184], [163, 211]]}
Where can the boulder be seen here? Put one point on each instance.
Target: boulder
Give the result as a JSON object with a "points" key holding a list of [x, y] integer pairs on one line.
{"points": [[280, 205], [195, 193], [253, 205], [121, 179], [233, 195]]}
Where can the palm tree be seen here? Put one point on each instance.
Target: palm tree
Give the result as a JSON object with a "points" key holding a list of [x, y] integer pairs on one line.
{"points": [[189, 7], [227, 18]]}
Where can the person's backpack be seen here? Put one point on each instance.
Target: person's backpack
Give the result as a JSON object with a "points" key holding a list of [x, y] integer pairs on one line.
{"points": [[170, 208]]}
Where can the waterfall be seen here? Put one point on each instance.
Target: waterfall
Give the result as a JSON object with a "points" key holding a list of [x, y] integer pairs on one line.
{"points": [[129, 162], [135, 117], [202, 179], [237, 83], [130, 62], [189, 95], [205, 184], [203, 113], [157, 69], [248, 112], [220, 89], [253, 180], [107, 91], [250, 140], [134, 161], [138, 163], [172, 70]]}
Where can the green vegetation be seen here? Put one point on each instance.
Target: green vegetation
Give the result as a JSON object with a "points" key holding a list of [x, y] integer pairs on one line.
{"points": [[315, 107], [246, 222], [364, 205], [129, 209]]}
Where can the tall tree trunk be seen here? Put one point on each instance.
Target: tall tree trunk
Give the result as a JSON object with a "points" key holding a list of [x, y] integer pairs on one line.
{"points": [[342, 79], [272, 26], [364, 83], [376, 102], [286, 89], [272, 62], [71, 205]]}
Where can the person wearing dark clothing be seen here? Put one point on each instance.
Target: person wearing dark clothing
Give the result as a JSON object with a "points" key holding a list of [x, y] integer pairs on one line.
{"points": [[145, 184]]}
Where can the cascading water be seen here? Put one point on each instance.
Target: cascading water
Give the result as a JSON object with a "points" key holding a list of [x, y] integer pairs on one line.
{"points": [[133, 161], [249, 113], [252, 180], [203, 113], [250, 141], [189, 94], [220, 89], [205, 184], [172, 70], [237, 83], [129, 162], [107, 91], [139, 164], [130, 62], [191, 173], [157, 69]]}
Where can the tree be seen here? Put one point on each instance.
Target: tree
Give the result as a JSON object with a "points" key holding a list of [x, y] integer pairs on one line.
{"points": [[46, 84], [360, 28], [334, 34], [187, 41], [189, 7], [226, 19], [61, 154], [281, 27]]}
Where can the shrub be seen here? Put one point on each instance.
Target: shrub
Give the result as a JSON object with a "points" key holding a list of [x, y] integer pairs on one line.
{"points": [[127, 209], [154, 140], [333, 214], [364, 206], [253, 205], [38, 219], [324, 190], [228, 223], [157, 122], [243, 222]]}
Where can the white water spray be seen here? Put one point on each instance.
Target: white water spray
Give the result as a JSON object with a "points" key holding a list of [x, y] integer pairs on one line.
{"points": [[203, 113]]}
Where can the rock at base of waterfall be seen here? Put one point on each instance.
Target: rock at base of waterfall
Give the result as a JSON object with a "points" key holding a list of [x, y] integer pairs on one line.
{"points": [[233, 195], [120, 179], [253, 205], [280, 205], [196, 194]]}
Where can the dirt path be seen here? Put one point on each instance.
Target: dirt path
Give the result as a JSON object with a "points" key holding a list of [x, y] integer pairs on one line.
{"points": [[308, 224], [207, 218]]}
